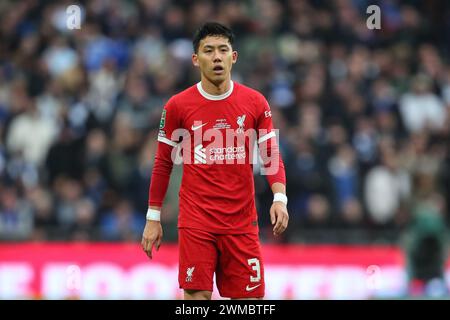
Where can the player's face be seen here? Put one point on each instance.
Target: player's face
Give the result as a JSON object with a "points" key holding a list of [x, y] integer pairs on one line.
{"points": [[215, 58]]}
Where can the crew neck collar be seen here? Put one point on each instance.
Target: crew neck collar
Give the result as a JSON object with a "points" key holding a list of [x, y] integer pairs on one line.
{"points": [[208, 96]]}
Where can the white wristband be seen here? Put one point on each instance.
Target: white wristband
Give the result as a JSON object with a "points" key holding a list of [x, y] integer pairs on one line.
{"points": [[280, 197], [153, 215]]}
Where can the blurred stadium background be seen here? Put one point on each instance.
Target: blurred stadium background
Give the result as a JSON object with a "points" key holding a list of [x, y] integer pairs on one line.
{"points": [[364, 118]]}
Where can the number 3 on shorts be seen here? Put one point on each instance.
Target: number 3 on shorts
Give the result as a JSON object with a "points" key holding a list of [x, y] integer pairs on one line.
{"points": [[254, 262]]}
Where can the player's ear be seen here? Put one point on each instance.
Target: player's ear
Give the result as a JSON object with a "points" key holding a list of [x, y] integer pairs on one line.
{"points": [[195, 59], [234, 56]]}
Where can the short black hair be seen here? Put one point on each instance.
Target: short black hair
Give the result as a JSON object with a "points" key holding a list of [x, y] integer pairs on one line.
{"points": [[212, 29]]}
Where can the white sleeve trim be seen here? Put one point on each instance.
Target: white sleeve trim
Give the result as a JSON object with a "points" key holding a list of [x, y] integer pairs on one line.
{"points": [[266, 137], [167, 141]]}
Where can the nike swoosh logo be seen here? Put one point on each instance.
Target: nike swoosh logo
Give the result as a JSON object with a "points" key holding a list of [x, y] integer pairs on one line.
{"points": [[252, 288], [198, 127]]}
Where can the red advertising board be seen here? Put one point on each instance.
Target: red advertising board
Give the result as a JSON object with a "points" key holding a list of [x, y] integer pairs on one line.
{"points": [[123, 271]]}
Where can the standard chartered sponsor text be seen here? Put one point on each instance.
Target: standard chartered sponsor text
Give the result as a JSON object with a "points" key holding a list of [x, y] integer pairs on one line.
{"points": [[227, 146], [227, 153]]}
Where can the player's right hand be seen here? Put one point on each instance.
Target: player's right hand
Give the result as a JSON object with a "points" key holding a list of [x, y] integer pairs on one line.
{"points": [[151, 237]]}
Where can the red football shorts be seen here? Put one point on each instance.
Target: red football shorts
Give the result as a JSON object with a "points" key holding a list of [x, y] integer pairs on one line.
{"points": [[234, 258]]}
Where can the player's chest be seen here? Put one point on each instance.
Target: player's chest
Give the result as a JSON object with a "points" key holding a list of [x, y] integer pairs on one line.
{"points": [[224, 117]]}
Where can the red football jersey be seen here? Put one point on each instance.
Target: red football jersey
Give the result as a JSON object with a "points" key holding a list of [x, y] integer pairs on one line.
{"points": [[215, 136]]}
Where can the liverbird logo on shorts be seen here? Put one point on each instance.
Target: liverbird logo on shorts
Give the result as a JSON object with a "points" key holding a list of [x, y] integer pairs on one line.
{"points": [[240, 122], [189, 273]]}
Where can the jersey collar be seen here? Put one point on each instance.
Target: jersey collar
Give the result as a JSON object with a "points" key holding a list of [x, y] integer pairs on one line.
{"points": [[214, 97]]}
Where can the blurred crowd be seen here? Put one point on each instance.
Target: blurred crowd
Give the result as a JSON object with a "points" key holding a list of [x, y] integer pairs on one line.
{"points": [[364, 115]]}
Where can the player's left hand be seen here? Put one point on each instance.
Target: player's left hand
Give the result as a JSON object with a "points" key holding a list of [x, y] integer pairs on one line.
{"points": [[279, 217]]}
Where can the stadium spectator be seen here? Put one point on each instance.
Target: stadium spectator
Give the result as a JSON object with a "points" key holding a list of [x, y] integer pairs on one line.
{"points": [[331, 83]]}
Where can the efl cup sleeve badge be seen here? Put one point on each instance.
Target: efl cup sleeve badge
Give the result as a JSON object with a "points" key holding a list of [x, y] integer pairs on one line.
{"points": [[162, 122], [240, 122]]}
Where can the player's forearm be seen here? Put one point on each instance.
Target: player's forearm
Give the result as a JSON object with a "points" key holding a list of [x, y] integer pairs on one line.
{"points": [[160, 175], [158, 189], [279, 176], [279, 192], [278, 187], [275, 172], [273, 163]]}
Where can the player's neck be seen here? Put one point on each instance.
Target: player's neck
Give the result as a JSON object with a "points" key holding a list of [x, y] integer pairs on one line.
{"points": [[215, 89]]}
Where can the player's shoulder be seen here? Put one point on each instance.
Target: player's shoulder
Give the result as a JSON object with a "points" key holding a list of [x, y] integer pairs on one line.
{"points": [[188, 93], [256, 98], [181, 97], [248, 91]]}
